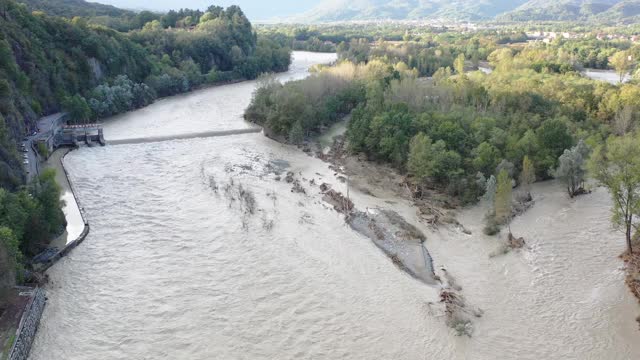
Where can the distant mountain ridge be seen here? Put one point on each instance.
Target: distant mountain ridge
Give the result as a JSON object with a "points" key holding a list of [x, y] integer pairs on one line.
{"points": [[71, 8], [597, 10], [509, 10]]}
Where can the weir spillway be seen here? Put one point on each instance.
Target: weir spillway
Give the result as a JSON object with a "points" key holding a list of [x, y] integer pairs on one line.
{"points": [[204, 134]]}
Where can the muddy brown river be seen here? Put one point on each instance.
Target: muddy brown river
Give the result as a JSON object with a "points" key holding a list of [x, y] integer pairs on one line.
{"points": [[176, 267]]}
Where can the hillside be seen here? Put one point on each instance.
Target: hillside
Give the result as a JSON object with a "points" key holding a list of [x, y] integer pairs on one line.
{"points": [[344, 10], [517, 10], [47, 61], [572, 10], [71, 8]]}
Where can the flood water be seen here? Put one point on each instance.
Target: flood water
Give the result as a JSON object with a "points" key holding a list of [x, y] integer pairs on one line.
{"points": [[175, 267], [609, 76], [215, 108]]}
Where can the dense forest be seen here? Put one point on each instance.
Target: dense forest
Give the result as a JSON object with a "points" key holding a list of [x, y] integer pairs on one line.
{"points": [[53, 63]]}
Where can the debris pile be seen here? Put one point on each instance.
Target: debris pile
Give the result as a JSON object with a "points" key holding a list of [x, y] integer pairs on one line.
{"points": [[632, 279], [515, 243], [297, 187], [458, 314], [340, 203]]}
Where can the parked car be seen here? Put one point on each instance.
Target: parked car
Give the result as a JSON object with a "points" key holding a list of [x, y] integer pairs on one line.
{"points": [[26, 162]]}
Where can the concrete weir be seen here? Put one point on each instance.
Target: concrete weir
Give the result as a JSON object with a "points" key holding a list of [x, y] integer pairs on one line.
{"points": [[204, 134], [73, 135]]}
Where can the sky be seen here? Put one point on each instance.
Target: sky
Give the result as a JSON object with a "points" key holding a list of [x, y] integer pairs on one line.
{"points": [[254, 9]]}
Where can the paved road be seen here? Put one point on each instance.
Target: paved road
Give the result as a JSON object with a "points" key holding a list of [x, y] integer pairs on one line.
{"points": [[45, 126]]}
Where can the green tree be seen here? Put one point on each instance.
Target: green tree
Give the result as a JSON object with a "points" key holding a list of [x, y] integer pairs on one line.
{"points": [[616, 165], [77, 108], [11, 246], [503, 197], [553, 138], [490, 189], [420, 163], [572, 167], [621, 64], [486, 158], [458, 64], [296, 134], [432, 160], [527, 176]]}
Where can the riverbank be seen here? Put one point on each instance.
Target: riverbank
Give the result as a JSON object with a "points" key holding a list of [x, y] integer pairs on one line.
{"points": [[381, 180], [632, 270], [437, 209], [21, 307], [77, 224], [70, 208]]}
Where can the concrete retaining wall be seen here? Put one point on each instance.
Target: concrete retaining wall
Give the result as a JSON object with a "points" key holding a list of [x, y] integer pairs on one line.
{"points": [[71, 245], [28, 326]]}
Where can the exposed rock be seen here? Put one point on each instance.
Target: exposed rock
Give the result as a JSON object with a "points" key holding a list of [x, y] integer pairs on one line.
{"points": [[96, 69]]}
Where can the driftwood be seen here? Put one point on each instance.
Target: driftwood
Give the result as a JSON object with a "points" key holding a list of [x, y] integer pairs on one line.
{"points": [[579, 191], [515, 243], [430, 214], [340, 202]]}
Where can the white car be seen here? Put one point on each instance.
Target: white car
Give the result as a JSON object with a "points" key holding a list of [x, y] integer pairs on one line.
{"points": [[26, 162]]}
